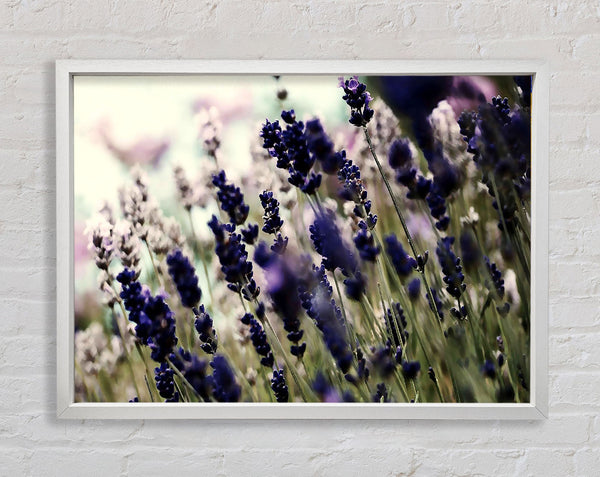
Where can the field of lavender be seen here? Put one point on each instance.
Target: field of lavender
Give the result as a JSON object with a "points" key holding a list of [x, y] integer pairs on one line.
{"points": [[374, 248]]}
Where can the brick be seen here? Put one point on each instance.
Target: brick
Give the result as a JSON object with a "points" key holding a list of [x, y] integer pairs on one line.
{"points": [[88, 462], [587, 461], [575, 312], [575, 351], [548, 462], [572, 390]]}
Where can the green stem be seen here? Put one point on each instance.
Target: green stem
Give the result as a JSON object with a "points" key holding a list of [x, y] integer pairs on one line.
{"points": [[196, 249], [184, 380], [351, 338], [404, 226], [158, 278]]}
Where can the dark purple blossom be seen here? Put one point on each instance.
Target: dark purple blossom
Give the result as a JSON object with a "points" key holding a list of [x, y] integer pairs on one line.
{"points": [[403, 263], [353, 189], [279, 387], [470, 251], [328, 242], [206, 332], [488, 369], [234, 259], [226, 388], [437, 207], [195, 371], [414, 289], [383, 360], [184, 276], [259, 340], [410, 369], [231, 199], [290, 147], [358, 98], [324, 389], [382, 393], [250, 234], [321, 307], [322, 148], [163, 375], [365, 243], [272, 220], [155, 323], [451, 268], [283, 284], [496, 276]]}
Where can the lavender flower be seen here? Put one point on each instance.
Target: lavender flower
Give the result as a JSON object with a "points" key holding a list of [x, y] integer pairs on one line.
{"points": [[283, 284], [488, 369], [163, 375], [382, 393], [496, 276], [410, 369], [206, 333], [453, 276], [325, 313], [184, 276], [259, 340], [446, 178], [403, 263], [231, 199], [155, 324], [290, 147], [272, 221], [431, 374], [324, 389], [357, 97], [383, 360], [437, 207], [194, 370], [497, 285], [322, 148], [355, 191], [226, 389], [471, 254], [365, 243], [279, 387], [250, 234], [328, 243], [234, 259], [162, 338], [414, 289], [400, 158]]}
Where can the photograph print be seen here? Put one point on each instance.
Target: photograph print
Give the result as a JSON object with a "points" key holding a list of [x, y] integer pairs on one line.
{"points": [[302, 239]]}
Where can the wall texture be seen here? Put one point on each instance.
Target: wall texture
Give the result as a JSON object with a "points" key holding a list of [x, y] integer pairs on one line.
{"points": [[35, 33]]}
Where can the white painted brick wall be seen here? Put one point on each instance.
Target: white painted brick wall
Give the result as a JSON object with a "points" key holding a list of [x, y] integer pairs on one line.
{"points": [[35, 33]]}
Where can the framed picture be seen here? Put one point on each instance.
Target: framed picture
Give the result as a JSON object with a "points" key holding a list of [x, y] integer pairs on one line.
{"points": [[302, 239]]}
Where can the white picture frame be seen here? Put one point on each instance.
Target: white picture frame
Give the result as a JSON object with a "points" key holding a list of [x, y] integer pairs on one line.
{"points": [[537, 408]]}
